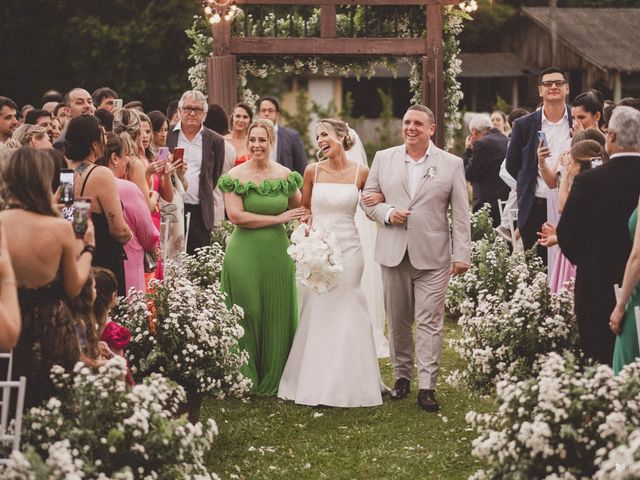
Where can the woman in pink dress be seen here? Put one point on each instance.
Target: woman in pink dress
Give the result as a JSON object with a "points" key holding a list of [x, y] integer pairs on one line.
{"points": [[578, 160], [118, 152]]}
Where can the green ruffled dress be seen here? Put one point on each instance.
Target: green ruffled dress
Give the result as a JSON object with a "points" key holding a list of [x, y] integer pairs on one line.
{"points": [[626, 349], [259, 276]]}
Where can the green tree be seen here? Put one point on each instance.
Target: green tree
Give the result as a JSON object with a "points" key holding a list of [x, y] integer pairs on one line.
{"points": [[137, 47]]}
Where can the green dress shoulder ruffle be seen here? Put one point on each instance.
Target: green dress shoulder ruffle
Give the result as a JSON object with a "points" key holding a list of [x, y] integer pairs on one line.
{"points": [[270, 187]]}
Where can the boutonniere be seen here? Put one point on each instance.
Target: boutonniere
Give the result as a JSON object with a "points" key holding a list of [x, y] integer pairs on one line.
{"points": [[431, 172]]}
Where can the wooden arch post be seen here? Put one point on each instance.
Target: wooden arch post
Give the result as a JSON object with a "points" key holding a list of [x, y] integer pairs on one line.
{"points": [[222, 77]]}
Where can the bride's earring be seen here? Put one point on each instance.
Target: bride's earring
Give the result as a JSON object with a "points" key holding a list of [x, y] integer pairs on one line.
{"points": [[320, 155]]}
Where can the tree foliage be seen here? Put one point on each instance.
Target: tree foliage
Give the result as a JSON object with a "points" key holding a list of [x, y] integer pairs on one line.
{"points": [[137, 47]]}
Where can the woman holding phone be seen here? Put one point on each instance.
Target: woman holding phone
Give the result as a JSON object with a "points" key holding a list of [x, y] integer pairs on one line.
{"points": [[84, 144], [172, 213], [117, 154], [50, 266]]}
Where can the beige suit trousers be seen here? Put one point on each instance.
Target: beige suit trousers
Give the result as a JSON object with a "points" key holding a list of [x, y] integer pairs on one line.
{"points": [[413, 295]]}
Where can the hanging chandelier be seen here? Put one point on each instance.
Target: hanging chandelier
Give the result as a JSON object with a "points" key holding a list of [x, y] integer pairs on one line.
{"points": [[218, 10]]}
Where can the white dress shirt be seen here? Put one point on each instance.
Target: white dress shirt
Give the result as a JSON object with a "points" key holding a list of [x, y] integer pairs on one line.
{"points": [[193, 159], [273, 154], [559, 141], [415, 172]]}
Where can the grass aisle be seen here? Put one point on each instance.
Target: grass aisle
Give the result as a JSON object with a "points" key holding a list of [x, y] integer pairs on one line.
{"points": [[272, 439]]}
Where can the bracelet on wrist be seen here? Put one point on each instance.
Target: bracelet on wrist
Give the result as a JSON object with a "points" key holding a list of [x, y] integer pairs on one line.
{"points": [[88, 248]]}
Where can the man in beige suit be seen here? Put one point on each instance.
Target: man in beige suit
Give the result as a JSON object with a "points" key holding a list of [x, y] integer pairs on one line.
{"points": [[414, 246]]}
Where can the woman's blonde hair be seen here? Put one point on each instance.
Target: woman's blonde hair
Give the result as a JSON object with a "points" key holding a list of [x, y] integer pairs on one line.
{"points": [[338, 130], [25, 133], [268, 126], [127, 120]]}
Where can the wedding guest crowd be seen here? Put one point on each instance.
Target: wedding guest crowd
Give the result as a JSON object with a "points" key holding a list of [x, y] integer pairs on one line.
{"points": [[153, 185]]}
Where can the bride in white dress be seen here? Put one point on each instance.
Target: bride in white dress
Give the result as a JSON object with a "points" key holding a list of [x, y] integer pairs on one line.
{"points": [[333, 359]]}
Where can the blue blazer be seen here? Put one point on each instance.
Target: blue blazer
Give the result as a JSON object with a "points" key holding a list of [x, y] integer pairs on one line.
{"points": [[290, 150], [522, 160]]}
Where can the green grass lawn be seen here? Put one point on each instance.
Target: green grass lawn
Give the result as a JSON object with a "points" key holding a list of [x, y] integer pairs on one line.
{"points": [[272, 439]]}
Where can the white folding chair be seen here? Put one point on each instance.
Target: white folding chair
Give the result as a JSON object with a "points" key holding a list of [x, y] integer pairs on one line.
{"points": [[513, 218], [11, 436], [9, 358], [501, 205]]}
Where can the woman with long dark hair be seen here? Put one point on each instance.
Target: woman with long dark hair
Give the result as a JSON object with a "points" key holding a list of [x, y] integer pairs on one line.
{"points": [[84, 145], [50, 266]]}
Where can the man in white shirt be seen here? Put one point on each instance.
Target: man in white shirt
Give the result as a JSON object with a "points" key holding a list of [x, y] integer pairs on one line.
{"points": [[204, 154], [529, 160], [415, 247]]}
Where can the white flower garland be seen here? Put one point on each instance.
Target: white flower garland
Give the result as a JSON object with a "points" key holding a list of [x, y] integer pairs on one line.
{"points": [[453, 17]]}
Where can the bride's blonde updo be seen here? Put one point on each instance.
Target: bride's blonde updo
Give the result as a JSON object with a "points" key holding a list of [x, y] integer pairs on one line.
{"points": [[338, 130]]}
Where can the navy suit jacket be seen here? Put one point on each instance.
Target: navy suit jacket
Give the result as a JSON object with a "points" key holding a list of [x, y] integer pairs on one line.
{"points": [[290, 150], [522, 160]]}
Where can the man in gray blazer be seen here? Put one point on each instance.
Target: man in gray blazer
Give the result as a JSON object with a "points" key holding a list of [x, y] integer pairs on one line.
{"points": [[415, 248], [289, 149], [204, 156]]}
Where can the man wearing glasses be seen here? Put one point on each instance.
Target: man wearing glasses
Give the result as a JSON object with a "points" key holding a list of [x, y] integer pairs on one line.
{"points": [[204, 153], [531, 156], [289, 149]]}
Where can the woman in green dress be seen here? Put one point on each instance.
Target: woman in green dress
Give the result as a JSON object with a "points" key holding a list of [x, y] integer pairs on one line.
{"points": [[623, 320], [260, 196]]}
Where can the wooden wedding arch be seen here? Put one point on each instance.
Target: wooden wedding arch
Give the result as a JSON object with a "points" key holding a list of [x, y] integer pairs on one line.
{"points": [[221, 65]]}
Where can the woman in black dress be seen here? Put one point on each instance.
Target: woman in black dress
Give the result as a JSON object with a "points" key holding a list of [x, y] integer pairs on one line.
{"points": [[50, 265], [84, 143]]}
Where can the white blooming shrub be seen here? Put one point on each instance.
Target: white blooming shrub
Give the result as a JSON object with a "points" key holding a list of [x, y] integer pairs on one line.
{"points": [[568, 422], [317, 255], [99, 428], [184, 330], [508, 336]]}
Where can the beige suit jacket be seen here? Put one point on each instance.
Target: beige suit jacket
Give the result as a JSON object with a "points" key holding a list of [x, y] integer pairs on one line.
{"points": [[426, 235]]}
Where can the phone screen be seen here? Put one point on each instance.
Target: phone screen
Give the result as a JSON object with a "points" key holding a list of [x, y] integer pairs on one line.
{"points": [[117, 103], [178, 155], [81, 215], [66, 186], [163, 153]]}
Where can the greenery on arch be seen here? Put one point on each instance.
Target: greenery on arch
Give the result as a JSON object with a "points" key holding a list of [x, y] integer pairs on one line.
{"points": [[358, 19]]}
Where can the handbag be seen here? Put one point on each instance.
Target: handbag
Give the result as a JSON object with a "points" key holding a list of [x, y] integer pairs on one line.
{"points": [[150, 263]]}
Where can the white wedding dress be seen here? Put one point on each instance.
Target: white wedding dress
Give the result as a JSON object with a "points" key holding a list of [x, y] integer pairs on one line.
{"points": [[333, 359]]}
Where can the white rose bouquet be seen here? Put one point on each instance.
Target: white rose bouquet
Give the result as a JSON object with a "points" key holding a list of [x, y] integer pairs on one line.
{"points": [[317, 255]]}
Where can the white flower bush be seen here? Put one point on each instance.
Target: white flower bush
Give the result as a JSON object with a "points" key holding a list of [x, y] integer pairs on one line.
{"points": [[98, 428], [494, 268], [317, 255], [509, 336], [184, 330], [568, 422]]}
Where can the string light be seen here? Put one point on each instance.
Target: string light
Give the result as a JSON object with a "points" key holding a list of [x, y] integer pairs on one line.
{"points": [[217, 10], [469, 6]]}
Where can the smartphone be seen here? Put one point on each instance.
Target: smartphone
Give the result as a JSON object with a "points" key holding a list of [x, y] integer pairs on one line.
{"points": [[66, 186], [163, 153], [178, 155], [542, 138], [81, 215], [117, 103]]}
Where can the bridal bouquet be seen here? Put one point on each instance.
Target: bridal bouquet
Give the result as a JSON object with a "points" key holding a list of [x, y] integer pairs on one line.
{"points": [[317, 256]]}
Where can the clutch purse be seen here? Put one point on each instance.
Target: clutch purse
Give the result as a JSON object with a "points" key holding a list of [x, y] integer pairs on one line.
{"points": [[150, 263]]}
